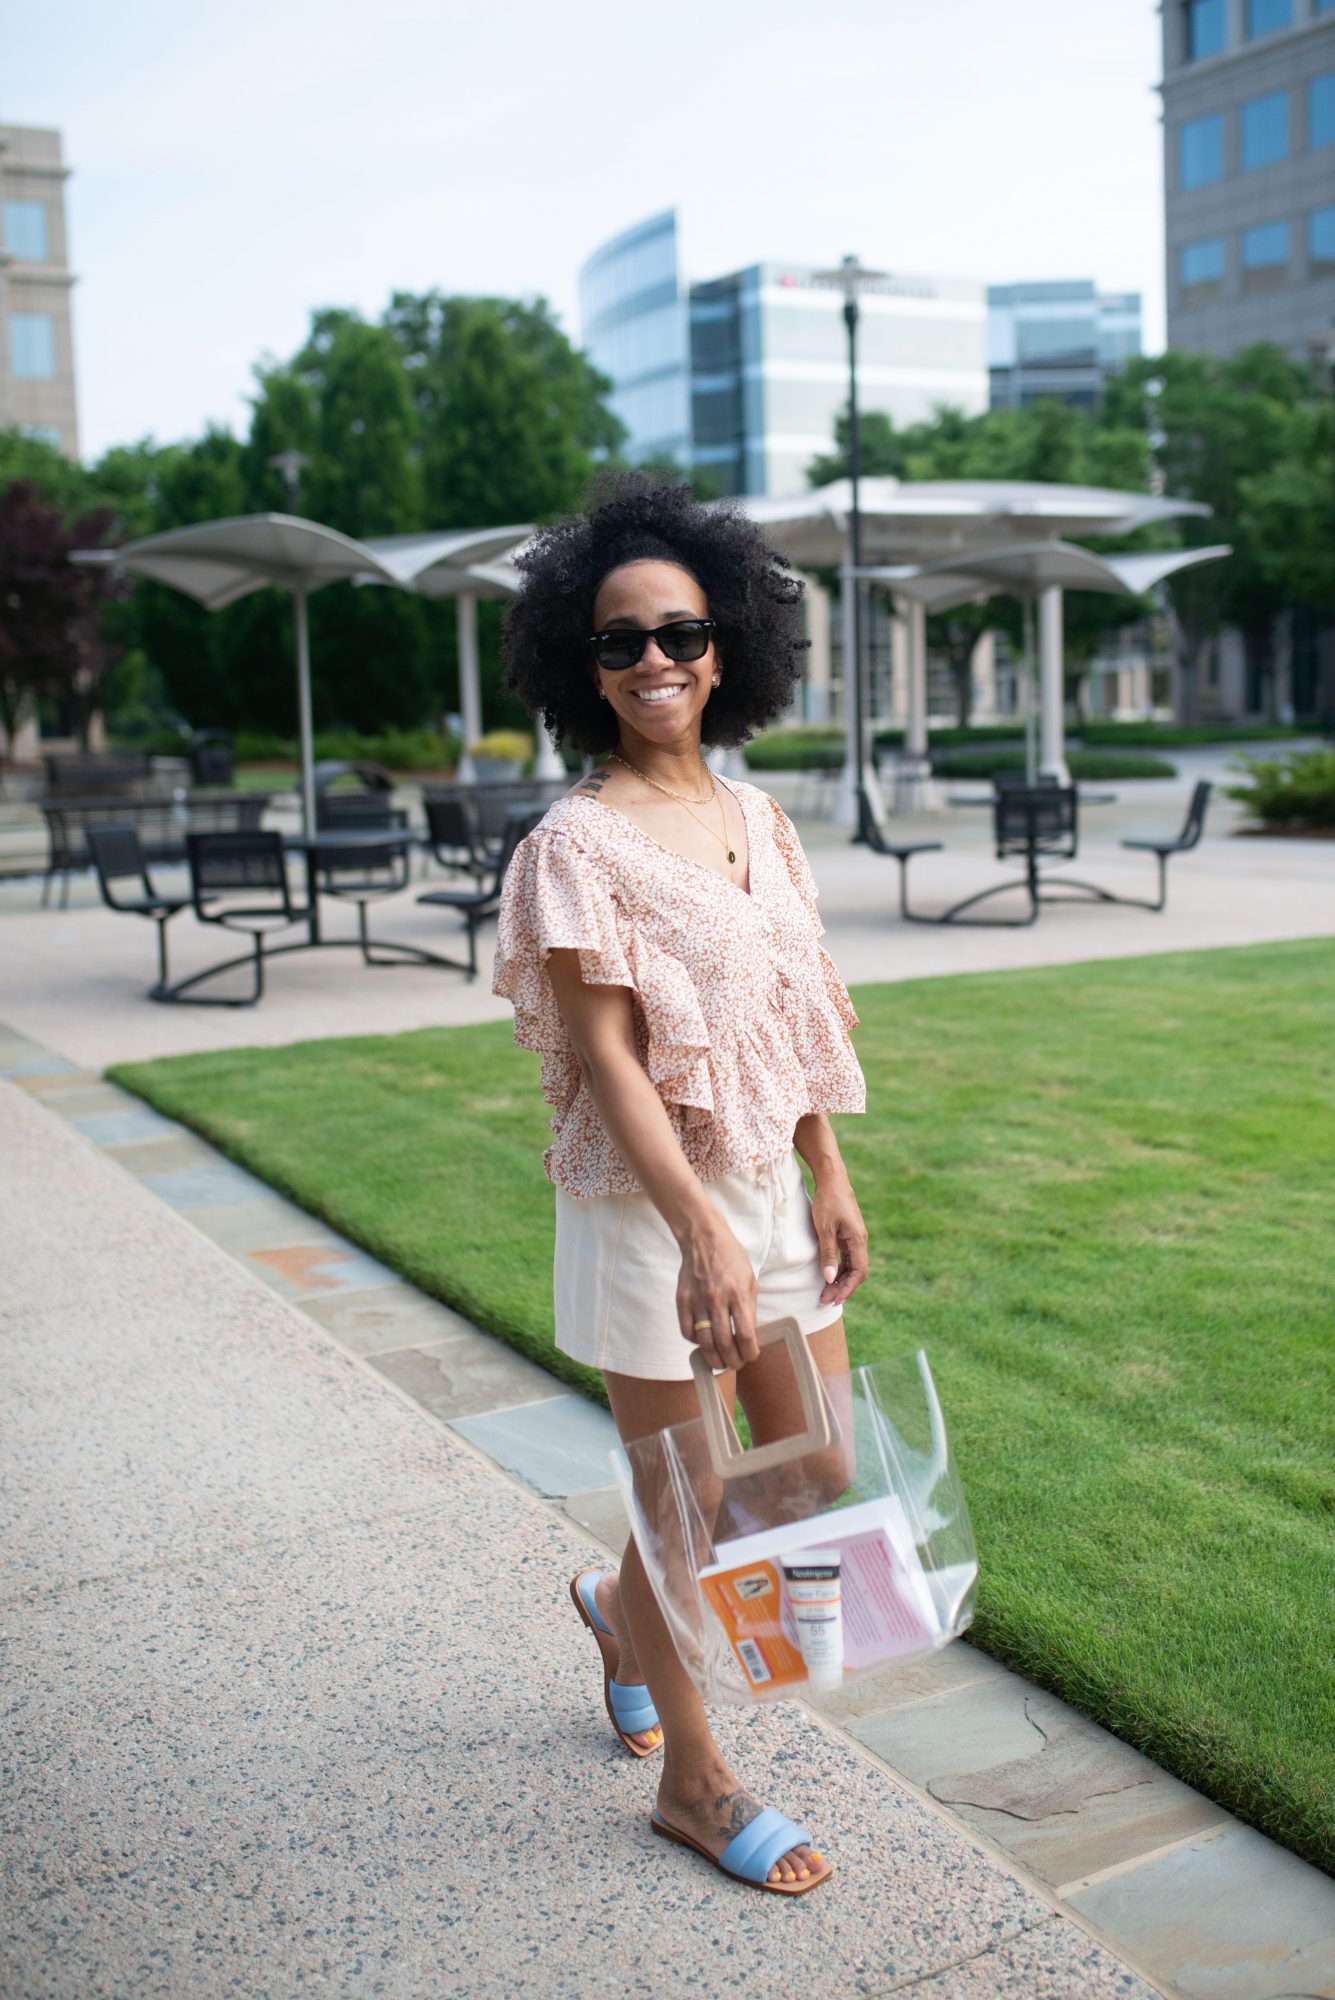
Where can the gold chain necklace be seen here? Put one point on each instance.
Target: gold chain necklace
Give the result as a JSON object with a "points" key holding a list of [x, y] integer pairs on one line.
{"points": [[682, 800]]}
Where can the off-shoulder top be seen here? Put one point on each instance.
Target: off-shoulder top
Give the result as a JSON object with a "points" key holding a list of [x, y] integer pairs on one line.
{"points": [[741, 1019]]}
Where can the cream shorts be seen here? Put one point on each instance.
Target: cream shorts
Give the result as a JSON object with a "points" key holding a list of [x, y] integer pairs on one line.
{"points": [[617, 1263]]}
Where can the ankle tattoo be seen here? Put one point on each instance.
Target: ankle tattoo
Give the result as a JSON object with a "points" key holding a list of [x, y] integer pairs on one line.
{"points": [[735, 1810]]}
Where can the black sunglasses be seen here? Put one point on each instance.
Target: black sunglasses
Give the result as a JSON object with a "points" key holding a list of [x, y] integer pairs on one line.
{"points": [[684, 639]]}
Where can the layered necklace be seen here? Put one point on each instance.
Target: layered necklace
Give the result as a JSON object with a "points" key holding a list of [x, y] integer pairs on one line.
{"points": [[682, 800]]}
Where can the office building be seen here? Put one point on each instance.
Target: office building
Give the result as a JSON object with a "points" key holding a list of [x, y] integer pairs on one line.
{"points": [[1057, 340], [744, 376], [36, 337], [1249, 141], [634, 330]]}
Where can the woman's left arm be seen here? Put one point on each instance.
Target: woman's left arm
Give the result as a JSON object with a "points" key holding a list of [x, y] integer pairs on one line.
{"points": [[834, 1209]]}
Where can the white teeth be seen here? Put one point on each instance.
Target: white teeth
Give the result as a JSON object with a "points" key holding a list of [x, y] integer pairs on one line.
{"points": [[656, 694]]}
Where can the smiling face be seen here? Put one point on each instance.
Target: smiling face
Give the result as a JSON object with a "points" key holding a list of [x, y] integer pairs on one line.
{"points": [[657, 701]]}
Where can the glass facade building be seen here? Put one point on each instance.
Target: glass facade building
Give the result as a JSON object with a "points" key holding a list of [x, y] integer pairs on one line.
{"points": [[744, 376], [1057, 339], [634, 324], [1249, 137]]}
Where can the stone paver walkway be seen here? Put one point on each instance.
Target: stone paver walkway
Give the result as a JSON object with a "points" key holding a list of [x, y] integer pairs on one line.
{"points": [[296, 1699]]}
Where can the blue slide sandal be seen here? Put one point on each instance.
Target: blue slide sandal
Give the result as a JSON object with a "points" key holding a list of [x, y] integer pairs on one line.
{"points": [[630, 1707], [750, 1854]]}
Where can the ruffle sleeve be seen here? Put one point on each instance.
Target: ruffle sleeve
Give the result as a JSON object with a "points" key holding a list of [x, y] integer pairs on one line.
{"points": [[557, 897], [795, 861]]}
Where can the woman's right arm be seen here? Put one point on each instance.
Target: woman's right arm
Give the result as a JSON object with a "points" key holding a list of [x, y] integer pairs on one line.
{"points": [[716, 1280]]}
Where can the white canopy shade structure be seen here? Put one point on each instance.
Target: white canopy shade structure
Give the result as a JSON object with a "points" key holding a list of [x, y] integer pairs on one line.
{"points": [[219, 562], [921, 520], [927, 522], [1037, 570], [465, 564]]}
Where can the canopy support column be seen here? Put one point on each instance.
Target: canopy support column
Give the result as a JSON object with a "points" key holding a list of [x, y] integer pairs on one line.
{"points": [[1052, 687], [305, 726], [914, 790], [470, 696], [1027, 693], [858, 737]]}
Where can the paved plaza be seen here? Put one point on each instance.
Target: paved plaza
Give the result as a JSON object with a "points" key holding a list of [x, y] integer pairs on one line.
{"points": [[75, 979], [297, 1701]]}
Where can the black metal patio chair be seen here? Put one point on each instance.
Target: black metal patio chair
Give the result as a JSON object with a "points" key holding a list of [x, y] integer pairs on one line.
{"points": [[869, 830], [366, 875], [453, 838], [238, 881], [1192, 828], [476, 905], [123, 877]]}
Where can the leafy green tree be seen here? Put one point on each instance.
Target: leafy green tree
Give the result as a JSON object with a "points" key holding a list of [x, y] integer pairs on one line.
{"points": [[511, 417], [61, 482], [1292, 516], [345, 401], [1230, 433], [882, 450]]}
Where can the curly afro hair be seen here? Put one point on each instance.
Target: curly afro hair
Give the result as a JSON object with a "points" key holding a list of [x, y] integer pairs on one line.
{"points": [[754, 599]]}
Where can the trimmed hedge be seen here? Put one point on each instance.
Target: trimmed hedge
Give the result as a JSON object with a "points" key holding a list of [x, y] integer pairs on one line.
{"points": [[812, 747], [396, 749], [1082, 764], [1289, 791], [1184, 736]]}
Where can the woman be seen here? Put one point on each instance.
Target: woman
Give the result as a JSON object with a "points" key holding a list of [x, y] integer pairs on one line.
{"points": [[658, 938]]}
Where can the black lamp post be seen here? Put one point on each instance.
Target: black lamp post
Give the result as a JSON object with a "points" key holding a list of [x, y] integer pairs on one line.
{"points": [[849, 278]]}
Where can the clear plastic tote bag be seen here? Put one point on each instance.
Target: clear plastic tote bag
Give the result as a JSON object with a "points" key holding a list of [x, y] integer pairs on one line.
{"points": [[799, 1564]]}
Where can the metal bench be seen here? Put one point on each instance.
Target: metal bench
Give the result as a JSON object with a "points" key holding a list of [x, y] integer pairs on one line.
{"points": [[161, 824]]}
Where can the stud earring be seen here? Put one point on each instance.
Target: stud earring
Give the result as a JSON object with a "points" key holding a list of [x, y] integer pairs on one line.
{"points": [[602, 694], [717, 678]]}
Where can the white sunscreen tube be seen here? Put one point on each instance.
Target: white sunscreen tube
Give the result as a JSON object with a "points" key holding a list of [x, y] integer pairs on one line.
{"points": [[811, 1579]]}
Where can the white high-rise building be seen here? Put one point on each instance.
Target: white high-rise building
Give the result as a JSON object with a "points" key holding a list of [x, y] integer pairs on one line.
{"points": [[746, 375]]}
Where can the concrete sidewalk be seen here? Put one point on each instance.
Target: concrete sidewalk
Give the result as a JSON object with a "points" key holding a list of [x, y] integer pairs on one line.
{"points": [[300, 1705], [298, 1702]]}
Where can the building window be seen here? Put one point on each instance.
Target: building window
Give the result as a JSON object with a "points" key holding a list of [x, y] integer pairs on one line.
{"points": [[1265, 129], [1200, 151], [1206, 30], [25, 230], [32, 346], [1321, 110], [1321, 240], [1201, 271], [1265, 256], [44, 433], [1264, 16]]}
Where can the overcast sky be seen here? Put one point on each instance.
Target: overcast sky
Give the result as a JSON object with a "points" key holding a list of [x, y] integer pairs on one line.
{"points": [[237, 164]]}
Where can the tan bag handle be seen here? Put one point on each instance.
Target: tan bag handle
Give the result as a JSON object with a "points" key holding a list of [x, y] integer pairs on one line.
{"points": [[726, 1455]]}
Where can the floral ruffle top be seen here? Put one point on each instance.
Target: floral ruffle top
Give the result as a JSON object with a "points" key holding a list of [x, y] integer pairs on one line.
{"points": [[740, 1016]]}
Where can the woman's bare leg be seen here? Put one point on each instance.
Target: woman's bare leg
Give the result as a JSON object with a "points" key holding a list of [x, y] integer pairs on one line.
{"points": [[698, 1793]]}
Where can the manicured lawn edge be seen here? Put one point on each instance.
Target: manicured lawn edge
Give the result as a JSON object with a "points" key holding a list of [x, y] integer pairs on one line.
{"points": [[1211, 1173]]}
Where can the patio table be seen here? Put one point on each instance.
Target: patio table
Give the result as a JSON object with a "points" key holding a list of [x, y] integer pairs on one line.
{"points": [[329, 844]]}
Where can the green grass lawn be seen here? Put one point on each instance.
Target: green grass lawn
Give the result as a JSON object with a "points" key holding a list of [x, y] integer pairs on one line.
{"points": [[1099, 1195]]}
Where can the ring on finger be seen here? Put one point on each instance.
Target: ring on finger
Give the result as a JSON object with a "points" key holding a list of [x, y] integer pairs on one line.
{"points": [[701, 1325]]}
